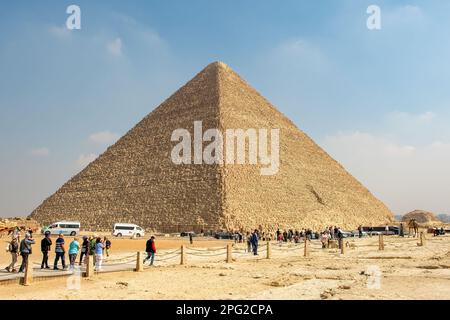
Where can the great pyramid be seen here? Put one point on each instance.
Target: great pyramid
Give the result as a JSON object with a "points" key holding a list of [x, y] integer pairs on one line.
{"points": [[136, 181]]}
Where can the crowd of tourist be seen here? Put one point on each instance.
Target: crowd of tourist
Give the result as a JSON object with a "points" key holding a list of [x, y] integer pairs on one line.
{"points": [[93, 246], [96, 247]]}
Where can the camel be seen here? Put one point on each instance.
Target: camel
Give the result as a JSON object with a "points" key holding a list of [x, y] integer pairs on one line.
{"points": [[413, 225]]}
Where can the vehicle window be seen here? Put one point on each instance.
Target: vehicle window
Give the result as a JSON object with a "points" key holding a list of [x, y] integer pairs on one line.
{"points": [[124, 228]]}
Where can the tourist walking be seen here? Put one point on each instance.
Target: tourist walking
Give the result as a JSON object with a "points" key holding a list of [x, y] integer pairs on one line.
{"points": [[324, 238], [254, 242], [191, 240], [150, 248], [60, 252], [402, 231], [249, 242], [74, 247], [84, 249], [46, 244], [25, 251], [107, 246], [98, 254], [13, 248], [360, 231]]}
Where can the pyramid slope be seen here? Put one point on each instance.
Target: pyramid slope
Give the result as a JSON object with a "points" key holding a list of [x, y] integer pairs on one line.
{"points": [[135, 180], [311, 190]]}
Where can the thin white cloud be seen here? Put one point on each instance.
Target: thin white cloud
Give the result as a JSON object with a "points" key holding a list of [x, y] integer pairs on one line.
{"points": [[115, 47], [405, 118], [406, 16], [59, 31], [300, 53], [40, 152], [103, 137], [84, 159]]}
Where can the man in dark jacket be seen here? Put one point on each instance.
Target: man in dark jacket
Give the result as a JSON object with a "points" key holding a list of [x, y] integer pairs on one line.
{"points": [[254, 242], [150, 248], [25, 251], [46, 243]]}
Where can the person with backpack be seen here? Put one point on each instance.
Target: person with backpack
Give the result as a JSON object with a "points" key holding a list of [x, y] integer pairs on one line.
{"points": [[13, 249], [60, 252], [92, 243], [150, 248], [107, 244], [25, 251], [46, 243], [84, 249]]}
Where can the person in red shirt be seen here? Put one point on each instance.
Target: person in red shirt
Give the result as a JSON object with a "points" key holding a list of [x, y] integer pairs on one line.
{"points": [[150, 248]]}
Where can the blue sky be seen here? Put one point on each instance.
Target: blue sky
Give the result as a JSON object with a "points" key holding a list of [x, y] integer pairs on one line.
{"points": [[378, 101]]}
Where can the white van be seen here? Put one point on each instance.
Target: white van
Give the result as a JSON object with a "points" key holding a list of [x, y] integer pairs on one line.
{"points": [[68, 228], [127, 229]]}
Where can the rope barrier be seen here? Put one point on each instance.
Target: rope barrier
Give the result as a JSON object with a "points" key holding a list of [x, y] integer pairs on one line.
{"points": [[167, 258], [287, 249], [207, 249], [207, 255], [118, 259], [117, 264], [170, 252]]}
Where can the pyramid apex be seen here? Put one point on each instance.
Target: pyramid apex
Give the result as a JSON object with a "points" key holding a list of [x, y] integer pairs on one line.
{"points": [[219, 65]]}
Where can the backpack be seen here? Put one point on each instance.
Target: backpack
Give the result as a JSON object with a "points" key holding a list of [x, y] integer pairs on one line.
{"points": [[92, 245]]}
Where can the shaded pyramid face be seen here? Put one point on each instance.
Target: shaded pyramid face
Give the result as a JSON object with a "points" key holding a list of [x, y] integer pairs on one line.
{"points": [[136, 181]]}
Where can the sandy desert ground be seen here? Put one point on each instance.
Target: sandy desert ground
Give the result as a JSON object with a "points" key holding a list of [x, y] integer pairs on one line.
{"points": [[402, 271]]}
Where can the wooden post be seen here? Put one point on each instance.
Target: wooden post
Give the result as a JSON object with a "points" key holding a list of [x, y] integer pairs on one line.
{"points": [[380, 242], [139, 262], [183, 255], [422, 239], [342, 245], [89, 266], [229, 256], [268, 250], [306, 248], [28, 276]]}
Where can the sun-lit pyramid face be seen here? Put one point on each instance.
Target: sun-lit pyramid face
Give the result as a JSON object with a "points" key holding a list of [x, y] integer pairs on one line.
{"points": [[137, 180]]}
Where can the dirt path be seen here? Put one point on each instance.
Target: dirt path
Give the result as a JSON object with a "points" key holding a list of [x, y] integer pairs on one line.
{"points": [[403, 271]]}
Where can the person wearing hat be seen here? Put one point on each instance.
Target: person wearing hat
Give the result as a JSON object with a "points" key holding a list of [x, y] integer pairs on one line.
{"points": [[46, 243], [13, 249], [25, 251]]}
